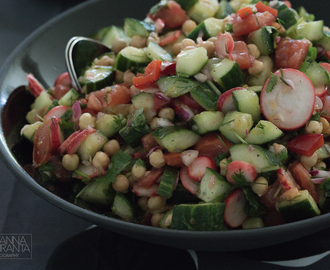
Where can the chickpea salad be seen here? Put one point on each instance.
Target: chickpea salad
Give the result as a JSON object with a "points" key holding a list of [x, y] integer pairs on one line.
{"points": [[204, 116]]}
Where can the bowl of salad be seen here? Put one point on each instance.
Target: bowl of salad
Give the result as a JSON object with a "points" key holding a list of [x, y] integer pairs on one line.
{"points": [[205, 127]]}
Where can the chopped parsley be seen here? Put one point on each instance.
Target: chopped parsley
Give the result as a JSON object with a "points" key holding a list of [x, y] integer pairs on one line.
{"points": [[118, 163], [271, 83]]}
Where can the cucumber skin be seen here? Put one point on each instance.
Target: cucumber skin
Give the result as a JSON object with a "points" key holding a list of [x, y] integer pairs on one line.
{"points": [[122, 207], [175, 86], [205, 96], [199, 217], [295, 211], [167, 182]]}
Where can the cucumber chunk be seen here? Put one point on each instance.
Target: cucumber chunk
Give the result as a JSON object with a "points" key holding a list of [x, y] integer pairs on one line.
{"points": [[122, 207], [288, 16], [207, 121], [203, 10], [211, 27], [265, 39], [154, 51], [131, 58], [247, 101], [224, 10], [175, 139], [324, 41], [236, 123], [317, 75], [228, 74], [167, 182], [98, 193], [113, 32], [28, 130], [175, 86], [93, 143], [133, 27], [206, 96], [190, 62], [143, 100], [108, 124], [213, 187], [69, 98], [261, 158], [298, 208], [199, 217], [97, 77], [263, 132], [312, 31]]}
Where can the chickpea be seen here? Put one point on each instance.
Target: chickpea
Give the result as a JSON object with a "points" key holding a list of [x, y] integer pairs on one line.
{"points": [[138, 171], [153, 37], [121, 184], [156, 202], [309, 162], [254, 50], [128, 77], [260, 185], [119, 76], [188, 26], [209, 46], [176, 48], [187, 44], [134, 91], [70, 162], [131, 110], [111, 147], [278, 148], [212, 39], [258, 66], [104, 61], [118, 44], [325, 124], [85, 120], [156, 159], [314, 127], [143, 203], [138, 41], [167, 113], [154, 123], [320, 165], [101, 160], [155, 219]]}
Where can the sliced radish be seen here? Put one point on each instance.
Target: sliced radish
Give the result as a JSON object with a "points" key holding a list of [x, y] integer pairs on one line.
{"points": [[226, 101], [64, 145], [321, 91], [238, 167], [189, 156], [234, 212], [56, 111], [285, 106], [183, 110], [286, 179], [64, 79], [75, 143], [196, 169], [34, 85], [145, 191], [56, 135], [89, 170], [191, 103], [189, 185], [224, 45]]}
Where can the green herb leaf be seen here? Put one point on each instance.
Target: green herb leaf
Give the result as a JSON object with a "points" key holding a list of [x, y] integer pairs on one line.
{"points": [[118, 163], [271, 83]]}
